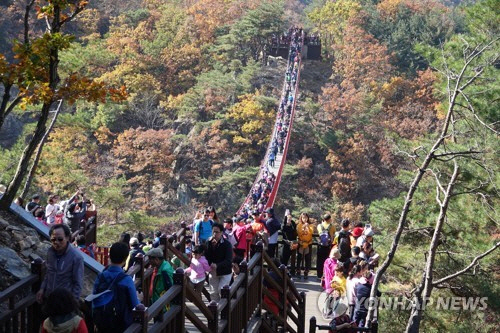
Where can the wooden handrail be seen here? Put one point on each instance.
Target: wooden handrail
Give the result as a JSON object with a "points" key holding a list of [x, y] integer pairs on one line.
{"points": [[23, 313], [198, 302], [196, 321], [14, 289]]}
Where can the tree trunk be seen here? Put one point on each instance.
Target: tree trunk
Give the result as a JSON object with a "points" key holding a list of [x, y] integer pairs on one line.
{"points": [[22, 167], [32, 171], [3, 105], [413, 324]]}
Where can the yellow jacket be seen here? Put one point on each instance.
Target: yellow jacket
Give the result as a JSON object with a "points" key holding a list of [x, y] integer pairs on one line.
{"points": [[305, 233], [339, 284]]}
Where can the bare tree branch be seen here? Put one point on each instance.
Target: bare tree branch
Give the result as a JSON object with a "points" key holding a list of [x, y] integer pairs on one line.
{"points": [[443, 134], [72, 16], [473, 56], [438, 184], [471, 265], [460, 153], [471, 108]]}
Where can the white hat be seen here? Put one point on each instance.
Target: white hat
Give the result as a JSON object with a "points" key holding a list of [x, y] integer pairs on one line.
{"points": [[368, 232], [339, 309]]}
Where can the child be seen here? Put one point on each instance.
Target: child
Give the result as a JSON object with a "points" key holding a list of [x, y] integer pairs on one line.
{"points": [[198, 268], [339, 282]]}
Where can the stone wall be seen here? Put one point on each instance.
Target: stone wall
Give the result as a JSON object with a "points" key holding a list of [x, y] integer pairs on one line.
{"points": [[19, 245]]}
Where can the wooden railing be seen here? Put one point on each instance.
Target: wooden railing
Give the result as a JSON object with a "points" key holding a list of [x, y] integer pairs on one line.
{"points": [[88, 228], [23, 313], [240, 307], [163, 321]]}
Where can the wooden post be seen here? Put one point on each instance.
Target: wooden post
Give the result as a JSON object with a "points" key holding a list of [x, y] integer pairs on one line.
{"points": [[312, 325], [180, 279], [94, 230], [284, 297], [139, 260], [213, 324], [249, 251], [83, 228], [226, 311], [293, 262], [302, 313], [163, 241], [105, 258], [35, 314], [244, 270], [140, 316], [183, 242], [259, 248]]}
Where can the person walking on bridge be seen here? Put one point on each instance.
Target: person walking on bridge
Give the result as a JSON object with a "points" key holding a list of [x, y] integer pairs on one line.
{"points": [[289, 231], [219, 255], [163, 274], [272, 226]]}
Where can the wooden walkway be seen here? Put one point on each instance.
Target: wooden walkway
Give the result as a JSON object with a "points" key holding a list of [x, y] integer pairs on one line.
{"points": [[314, 302], [314, 298]]}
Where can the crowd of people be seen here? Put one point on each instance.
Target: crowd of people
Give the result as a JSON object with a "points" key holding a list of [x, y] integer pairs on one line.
{"points": [[57, 211], [345, 259], [345, 263], [266, 179], [345, 256]]}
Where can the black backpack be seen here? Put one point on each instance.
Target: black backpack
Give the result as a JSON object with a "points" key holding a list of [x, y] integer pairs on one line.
{"points": [[344, 245], [109, 317]]}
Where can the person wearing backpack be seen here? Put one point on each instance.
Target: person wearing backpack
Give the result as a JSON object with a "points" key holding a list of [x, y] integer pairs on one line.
{"points": [[135, 249], [203, 229], [114, 295], [344, 241], [326, 232], [272, 226]]}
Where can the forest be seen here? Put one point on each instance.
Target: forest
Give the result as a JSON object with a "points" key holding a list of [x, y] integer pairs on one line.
{"points": [[158, 108]]}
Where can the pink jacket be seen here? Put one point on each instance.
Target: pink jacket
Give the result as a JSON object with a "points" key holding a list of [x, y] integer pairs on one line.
{"points": [[198, 268], [240, 233], [329, 273]]}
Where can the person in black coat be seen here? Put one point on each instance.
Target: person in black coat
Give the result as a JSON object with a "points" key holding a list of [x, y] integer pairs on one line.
{"points": [[363, 290], [72, 215], [219, 254], [289, 231], [272, 226]]}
